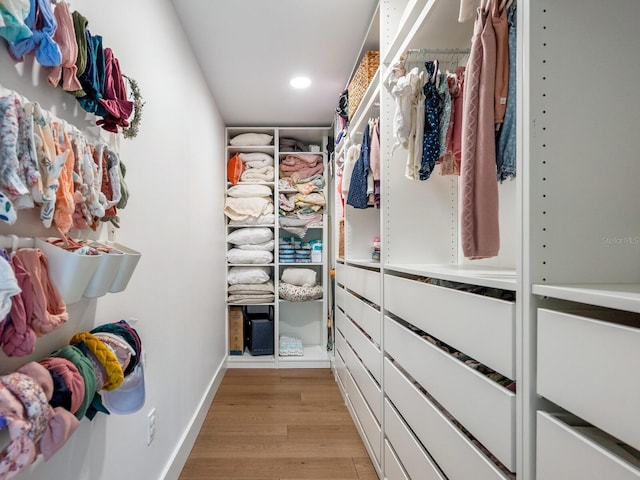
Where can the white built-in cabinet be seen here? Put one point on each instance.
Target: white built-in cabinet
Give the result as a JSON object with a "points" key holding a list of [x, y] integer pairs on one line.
{"points": [[304, 320], [565, 325]]}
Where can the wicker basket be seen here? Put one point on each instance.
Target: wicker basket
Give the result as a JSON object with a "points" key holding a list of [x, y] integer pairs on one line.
{"points": [[362, 79]]}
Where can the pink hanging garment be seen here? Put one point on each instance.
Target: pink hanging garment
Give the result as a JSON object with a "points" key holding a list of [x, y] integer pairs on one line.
{"points": [[479, 229]]}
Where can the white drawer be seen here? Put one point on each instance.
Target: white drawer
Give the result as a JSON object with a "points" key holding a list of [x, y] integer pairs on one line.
{"points": [[341, 369], [415, 460], [365, 283], [370, 426], [341, 297], [565, 453], [340, 320], [341, 344], [392, 468], [367, 385], [481, 327], [340, 273], [483, 407], [367, 351], [367, 317], [589, 367], [454, 452]]}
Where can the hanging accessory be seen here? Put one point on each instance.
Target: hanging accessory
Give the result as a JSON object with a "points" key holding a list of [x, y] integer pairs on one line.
{"points": [[138, 104]]}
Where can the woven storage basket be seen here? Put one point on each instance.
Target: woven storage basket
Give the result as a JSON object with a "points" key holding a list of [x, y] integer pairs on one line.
{"points": [[362, 79]]}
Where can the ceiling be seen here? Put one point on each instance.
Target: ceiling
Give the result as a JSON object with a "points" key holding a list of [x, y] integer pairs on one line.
{"points": [[250, 49]]}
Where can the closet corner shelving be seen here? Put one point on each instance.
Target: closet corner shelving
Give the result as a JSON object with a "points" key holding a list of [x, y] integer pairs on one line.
{"points": [[305, 320]]}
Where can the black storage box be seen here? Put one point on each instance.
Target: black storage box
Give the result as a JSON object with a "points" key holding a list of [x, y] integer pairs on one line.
{"points": [[259, 329]]}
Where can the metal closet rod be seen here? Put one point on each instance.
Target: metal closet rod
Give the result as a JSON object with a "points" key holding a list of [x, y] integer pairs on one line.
{"points": [[439, 51]]}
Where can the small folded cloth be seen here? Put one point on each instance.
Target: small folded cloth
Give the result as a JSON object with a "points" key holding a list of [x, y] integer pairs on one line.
{"points": [[290, 347]]}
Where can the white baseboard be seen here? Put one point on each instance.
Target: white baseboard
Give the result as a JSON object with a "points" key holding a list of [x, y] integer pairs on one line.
{"points": [[182, 451]]}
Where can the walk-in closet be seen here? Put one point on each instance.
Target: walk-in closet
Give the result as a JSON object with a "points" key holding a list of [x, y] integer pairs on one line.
{"points": [[373, 239]]}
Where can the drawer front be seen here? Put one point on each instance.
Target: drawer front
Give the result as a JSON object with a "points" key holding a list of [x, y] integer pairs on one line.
{"points": [[367, 385], [365, 283], [370, 426], [340, 273], [485, 408], [481, 327], [585, 365], [340, 319], [392, 467], [367, 317], [454, 453], [367, 351], [415, 460], [341, 297], [564, 453], [341, 344], [340, 369]]}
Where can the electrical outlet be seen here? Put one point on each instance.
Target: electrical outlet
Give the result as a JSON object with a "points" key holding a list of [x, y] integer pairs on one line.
{"points": [[151, 426]]}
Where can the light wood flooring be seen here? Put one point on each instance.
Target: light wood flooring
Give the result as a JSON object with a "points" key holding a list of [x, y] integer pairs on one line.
{"points": [[282, 424]]}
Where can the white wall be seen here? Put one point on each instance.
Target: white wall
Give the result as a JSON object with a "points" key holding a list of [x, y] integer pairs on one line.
{"points": [[174, 218]]}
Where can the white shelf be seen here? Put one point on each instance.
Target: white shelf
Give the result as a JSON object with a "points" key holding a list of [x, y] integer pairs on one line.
{"points": [[618, 296], [364, 263], [315, 355], [301, 264], [265, 361], [504, 279]]}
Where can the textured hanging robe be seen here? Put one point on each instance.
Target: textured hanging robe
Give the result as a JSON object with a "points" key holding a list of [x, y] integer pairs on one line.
{"points": [[479, 229]]}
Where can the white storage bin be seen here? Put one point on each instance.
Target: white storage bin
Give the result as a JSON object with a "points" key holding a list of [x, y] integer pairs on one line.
{"points": [[482, 406], [341, 297], [109, 266], [365, 283], [589, 367], [413, 457], [70, 272], [370, 426], [128, 266], [563, 452], [456, 455], [481, 327], [364, 315], [367, 351], [392, 467], [367, 385]]}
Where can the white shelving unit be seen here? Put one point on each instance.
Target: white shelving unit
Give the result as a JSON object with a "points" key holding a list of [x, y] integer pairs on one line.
{"points": [[304, 320], [557, 311]]}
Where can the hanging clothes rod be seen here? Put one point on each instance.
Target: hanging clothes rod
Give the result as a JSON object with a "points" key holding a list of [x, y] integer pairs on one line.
{"points": [[13, 242], [438, 51]]}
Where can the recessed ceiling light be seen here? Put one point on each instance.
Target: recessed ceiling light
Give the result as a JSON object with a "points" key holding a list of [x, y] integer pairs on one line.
{"points": [[300, 82]]}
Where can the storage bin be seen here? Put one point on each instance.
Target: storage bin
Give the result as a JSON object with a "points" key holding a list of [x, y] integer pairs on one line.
{"points": [[485, 408], [456, 455], [108, 267], [482, 327], [127, 267], [69, 271], [563, 452], [588, 367], [362, 79]]}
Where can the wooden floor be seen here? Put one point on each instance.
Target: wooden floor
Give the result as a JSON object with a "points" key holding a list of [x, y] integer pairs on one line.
{"points": [[282, 424]]}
